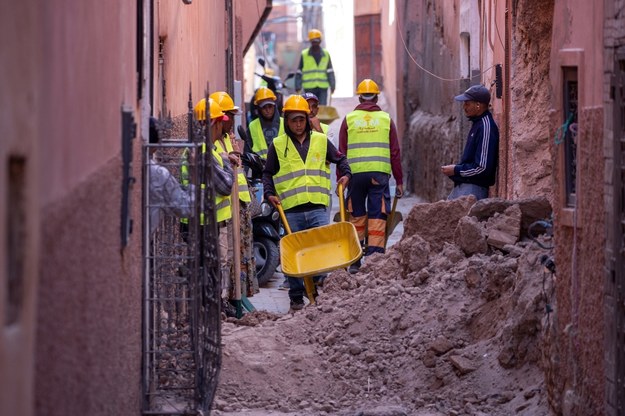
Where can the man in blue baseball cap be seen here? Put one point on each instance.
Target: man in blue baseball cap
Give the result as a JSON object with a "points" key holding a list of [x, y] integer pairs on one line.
{"points": [[477, 169]]}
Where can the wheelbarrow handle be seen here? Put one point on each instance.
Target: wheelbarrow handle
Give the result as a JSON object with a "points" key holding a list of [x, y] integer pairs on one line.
{"points": [[341, 202], [283, 218]]}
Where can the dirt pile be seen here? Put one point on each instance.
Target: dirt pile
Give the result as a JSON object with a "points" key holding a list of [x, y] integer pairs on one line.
{"points": [[440, 324]]}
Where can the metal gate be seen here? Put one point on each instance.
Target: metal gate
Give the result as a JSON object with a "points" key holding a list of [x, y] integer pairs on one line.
{"points": [[181, 295], [619, 237]]}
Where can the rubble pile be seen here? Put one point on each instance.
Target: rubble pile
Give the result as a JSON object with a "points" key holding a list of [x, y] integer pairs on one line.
{"points": [[447, 322]]}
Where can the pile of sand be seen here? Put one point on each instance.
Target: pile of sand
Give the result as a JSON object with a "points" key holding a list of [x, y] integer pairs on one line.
{"points": [[447, 322]]}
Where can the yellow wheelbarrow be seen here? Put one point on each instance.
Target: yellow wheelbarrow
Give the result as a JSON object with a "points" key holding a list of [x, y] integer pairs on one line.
{"points": [[318, 250]]}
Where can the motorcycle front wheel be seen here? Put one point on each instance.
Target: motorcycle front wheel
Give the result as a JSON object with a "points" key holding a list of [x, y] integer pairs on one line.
{"points": [[267, 255]]}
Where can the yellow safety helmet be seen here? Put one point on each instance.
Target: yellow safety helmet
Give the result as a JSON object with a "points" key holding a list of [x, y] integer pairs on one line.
{"points": [[200, 110], [225, 101], [296, 103], [314, 34], [270, 72], [367, 86], [264, 93]]}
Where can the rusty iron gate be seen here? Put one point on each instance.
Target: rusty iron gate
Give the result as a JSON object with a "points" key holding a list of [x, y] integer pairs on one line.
{"points": [[619, 237], [181, 295]]}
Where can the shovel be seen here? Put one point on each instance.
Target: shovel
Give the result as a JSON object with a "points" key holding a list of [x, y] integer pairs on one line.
{"points": [[394, 218]]}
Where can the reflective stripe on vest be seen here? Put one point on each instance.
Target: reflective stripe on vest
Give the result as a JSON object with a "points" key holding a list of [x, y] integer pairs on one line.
{"points": [[244, 192], [313, 75], [368, 147], [222, 203], [298, 182], [259, 143]]}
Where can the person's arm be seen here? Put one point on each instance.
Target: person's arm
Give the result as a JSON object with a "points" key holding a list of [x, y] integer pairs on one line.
{"points": [[331, 78], [298, 74], [223, 176], [333, 155], [342, 141], [483, 156], [343, 171], [272, 166], [168, 194]]}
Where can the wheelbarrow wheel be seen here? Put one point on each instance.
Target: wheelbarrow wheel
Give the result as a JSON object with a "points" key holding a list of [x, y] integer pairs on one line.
{"points": [[267, 256]]}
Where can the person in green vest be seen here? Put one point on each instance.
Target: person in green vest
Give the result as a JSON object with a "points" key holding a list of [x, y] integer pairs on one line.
{"points": [[313, 103], [315, 73], [226, 143], [222, 199], [268, 125], [369, 138], [297, 176]]}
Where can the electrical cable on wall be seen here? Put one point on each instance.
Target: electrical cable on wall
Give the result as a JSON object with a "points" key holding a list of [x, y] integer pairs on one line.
{"points": [[401, 36]]}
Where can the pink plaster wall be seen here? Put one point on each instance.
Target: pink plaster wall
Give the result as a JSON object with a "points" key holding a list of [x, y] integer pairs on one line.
{"points": [[580, 231], [68, 68], [19, 137], [88, 334]]}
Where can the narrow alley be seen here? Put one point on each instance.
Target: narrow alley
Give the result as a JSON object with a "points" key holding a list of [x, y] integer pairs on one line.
{"points": [[312, 208]]}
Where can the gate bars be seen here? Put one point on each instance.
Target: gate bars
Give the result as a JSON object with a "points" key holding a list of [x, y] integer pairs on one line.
{"points": [[181, 291]]}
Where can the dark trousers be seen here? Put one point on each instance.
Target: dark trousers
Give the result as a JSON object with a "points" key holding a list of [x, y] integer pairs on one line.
{"points": [[321, 93]]}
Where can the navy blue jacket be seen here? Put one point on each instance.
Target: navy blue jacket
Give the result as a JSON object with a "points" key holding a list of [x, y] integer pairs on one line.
{"points": [[481, 153]]}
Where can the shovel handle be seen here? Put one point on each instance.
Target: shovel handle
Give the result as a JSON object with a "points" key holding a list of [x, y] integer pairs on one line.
{"points": [[390, 219], [283, 218]]}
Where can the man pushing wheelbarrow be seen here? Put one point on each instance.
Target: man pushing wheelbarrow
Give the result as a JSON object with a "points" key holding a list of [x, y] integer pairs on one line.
{"points": [[296, 178]]}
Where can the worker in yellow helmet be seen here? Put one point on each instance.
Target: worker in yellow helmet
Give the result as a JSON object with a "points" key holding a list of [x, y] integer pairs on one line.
{"points": [[268, 125], [221, 183], [315, 73], [226, 142], [297, 176], [369, 138]]}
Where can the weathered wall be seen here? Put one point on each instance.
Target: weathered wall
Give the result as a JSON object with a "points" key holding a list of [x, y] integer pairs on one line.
{"points": [[430, 30], [71, 346], [88, 345], [580, 229], [614, 276], [530, 166], [194, 40], [19, 217]]}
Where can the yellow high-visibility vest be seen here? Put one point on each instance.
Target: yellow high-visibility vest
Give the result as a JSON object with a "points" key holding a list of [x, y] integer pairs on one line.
{"points": [[244, 192], [315, 75], [299, 182], [259, 143], [368, 146], [222, 203]]}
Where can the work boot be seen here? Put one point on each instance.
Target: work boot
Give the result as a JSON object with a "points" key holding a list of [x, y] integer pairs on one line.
{"points": [[354, 268], [297, 304], [284, 285]]}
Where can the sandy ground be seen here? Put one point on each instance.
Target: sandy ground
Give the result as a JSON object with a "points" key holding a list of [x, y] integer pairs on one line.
{"points": [[447, 322]]}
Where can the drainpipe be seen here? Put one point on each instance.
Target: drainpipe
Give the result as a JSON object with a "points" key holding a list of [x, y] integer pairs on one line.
{"points": [[259, 25], [506, 103]]}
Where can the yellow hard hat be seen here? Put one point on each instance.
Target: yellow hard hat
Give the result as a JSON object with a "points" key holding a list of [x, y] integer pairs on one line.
{"points": [[367, 86], [314, 34], [296, 103], [200, 110], [264, 93], [270, 72], [225, 101]]}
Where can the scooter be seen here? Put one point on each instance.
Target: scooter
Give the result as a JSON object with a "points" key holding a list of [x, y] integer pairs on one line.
{"points": [[266, 227], [275, 84]]}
